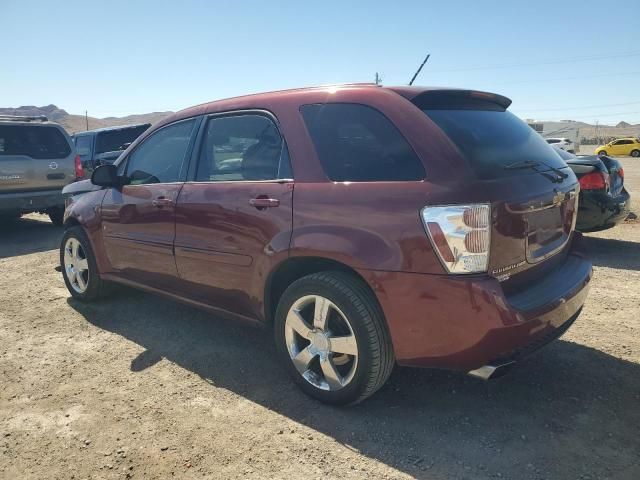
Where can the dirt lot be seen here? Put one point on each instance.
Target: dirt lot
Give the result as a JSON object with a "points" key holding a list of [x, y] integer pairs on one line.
{"points": [[143, 387]]}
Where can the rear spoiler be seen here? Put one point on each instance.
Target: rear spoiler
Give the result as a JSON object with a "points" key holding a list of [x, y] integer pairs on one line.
{"points": [[22, 118], [442, 99]]}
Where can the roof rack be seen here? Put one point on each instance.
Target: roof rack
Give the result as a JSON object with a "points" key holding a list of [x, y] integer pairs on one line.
{"points": [[23, 118]]}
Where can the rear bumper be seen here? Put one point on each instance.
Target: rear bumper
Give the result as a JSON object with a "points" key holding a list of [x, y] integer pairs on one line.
{"points": [[26, 202], [464, 323], [598, 211]]}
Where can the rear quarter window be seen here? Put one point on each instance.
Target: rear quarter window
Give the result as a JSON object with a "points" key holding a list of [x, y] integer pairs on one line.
{"points": [[40, 142], [357, 143]]}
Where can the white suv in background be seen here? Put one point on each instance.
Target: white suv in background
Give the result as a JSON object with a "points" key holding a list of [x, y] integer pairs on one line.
{"points": [[562, 144]]}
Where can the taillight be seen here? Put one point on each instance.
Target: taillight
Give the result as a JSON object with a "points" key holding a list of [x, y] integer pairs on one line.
{"points": [[594, 181], [621, 173], [79, 169], [460, 235]]}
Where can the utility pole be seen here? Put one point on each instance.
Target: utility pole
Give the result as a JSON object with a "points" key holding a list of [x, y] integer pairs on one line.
{"points": [[86, 119], [378, 79]]}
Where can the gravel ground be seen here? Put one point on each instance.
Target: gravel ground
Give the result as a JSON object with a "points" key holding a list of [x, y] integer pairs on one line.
{"points": [[142, 387]]}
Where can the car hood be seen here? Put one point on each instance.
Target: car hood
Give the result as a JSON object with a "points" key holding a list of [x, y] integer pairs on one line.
{"points": [[83, 186]]}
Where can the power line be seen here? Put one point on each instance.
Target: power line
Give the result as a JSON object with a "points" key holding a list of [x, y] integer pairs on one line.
{"points": [[555, 61], [576, 108], [597, 115], [581, 77]]}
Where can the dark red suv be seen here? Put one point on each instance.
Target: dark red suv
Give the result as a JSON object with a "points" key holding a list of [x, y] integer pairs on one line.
{"points": [[367, 226]]}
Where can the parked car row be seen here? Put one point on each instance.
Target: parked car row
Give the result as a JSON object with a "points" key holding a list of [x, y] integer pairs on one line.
{"points": [[38, 158], [366, 226]]}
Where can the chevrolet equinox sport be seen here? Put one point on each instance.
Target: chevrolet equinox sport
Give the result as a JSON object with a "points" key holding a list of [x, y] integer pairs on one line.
{"points": [[365, 225]]}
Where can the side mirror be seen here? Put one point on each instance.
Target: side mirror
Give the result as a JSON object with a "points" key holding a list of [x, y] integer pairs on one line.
{"points": [[106, 176]]}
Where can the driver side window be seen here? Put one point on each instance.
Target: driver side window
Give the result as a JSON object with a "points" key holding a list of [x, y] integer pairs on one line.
{"points": [[160, 158]]}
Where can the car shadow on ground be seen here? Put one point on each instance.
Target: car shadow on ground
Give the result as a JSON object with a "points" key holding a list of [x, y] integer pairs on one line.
{"points": [[612, 253], [577, 405], [28, 235]]}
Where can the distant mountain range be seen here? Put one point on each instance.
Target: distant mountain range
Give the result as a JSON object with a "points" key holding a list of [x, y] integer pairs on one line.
{"points": [[76, 123]]}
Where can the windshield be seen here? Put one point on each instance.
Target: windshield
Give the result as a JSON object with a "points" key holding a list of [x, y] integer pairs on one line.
{"points": [[493, 139], [113, 140]]}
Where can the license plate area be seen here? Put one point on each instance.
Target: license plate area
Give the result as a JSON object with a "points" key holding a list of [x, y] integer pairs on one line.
{"points": [[549, 228]]}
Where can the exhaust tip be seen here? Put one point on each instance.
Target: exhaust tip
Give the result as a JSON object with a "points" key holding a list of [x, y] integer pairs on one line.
{"points": [[487, 372]]}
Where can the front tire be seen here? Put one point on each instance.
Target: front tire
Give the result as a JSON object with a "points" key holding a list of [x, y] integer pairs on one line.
{"points": [[79, 268], [635, 153], [331, 333]]}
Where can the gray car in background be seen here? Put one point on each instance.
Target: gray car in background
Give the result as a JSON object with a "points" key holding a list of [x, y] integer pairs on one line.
{"points": [[104, 145], [37, 159]]}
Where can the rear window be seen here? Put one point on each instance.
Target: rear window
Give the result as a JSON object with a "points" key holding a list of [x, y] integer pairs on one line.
{"points": [[113, 140], [33, 141], [491, 140], [357, 143]]}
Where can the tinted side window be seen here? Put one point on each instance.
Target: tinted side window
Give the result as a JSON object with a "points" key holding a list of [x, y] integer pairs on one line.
{"points": [[159, 159], [33, 141], [357, 143], [242, 147], [83, 146]]}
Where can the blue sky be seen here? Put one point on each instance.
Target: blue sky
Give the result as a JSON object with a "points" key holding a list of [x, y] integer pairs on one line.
{"points": [[571, 59]]}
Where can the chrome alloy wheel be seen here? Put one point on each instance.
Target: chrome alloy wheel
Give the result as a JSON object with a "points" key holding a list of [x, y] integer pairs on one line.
{"points": [[76, 265], [321, 342]]}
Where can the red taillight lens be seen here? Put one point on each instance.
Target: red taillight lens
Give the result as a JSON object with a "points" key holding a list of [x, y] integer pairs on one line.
{"points": [[79, 169], [621, 173], [594, 181], [460, 235]]}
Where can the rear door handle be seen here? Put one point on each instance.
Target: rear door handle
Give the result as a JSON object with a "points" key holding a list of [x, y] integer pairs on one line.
{"points": [[264, 202], [162, 202]]}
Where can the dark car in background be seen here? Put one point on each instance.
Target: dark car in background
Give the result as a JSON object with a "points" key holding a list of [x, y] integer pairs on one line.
{"points": [[364, 226], [604, 202], [37, 159], [104, 145]]}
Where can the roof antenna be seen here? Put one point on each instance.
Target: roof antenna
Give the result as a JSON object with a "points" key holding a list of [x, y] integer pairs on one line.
{"points": [[419, 68]]}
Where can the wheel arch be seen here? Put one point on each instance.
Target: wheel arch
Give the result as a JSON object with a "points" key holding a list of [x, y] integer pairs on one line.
{"points": [[294, 268]]}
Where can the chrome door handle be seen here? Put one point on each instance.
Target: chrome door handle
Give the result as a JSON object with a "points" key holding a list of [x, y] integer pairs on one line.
{"points": [[264, 202], [161, 202]]}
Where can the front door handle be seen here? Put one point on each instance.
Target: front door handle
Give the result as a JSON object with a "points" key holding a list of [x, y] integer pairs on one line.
{"points": [[161, 202], [263, 202]]}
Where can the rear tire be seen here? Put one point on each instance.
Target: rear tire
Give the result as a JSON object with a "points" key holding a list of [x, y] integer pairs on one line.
{"points": [[56, 215], [635, 153], [312, 314], [79, 268], [602, 153]]}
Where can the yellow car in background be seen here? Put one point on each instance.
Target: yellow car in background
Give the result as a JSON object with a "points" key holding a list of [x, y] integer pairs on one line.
{"points": [[621, 146]]}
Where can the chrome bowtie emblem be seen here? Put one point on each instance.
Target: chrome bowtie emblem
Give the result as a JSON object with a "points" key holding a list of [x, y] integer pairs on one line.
{"points": [[53, 165]]}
